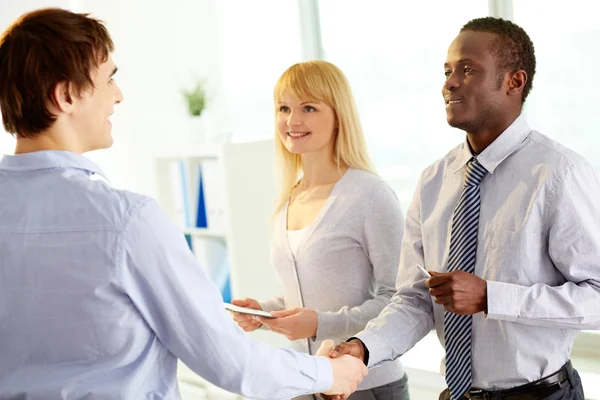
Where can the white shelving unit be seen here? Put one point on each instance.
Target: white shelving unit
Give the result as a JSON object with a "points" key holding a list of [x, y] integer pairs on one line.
{"points": [[248, 172], [249, 197]]}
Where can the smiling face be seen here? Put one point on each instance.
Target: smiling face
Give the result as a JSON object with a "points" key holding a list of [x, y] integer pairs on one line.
{"points": [[472, 91], [91, 114], [305, 126]]}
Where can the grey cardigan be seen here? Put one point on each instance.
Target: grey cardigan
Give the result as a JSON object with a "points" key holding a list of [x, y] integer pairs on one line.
{"points": [[346, 265]]}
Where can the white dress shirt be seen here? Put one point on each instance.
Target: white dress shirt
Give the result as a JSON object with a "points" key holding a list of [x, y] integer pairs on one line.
{"points": [[538, 249]]}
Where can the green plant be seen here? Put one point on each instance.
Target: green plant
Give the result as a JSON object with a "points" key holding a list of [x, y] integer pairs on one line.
{"points": [[195, 98]]}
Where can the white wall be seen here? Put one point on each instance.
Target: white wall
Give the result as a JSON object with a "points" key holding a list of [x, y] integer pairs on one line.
{"points": [[9, 11], [12, 9], [160, 47]]}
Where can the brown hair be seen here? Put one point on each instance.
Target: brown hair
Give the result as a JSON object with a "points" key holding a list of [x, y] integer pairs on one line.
{"points": [[39, 50]]}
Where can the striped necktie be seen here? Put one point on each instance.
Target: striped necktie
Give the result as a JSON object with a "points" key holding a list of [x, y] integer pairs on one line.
{"points": [[463, 247]]}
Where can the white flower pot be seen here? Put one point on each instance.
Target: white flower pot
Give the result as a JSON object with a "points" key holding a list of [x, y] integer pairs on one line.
{"points": [[198, 129]]}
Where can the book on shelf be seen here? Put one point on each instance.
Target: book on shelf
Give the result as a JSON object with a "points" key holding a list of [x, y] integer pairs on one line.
{"points": [[201, 217], [199, 196], [212, 180], [180, 192]]}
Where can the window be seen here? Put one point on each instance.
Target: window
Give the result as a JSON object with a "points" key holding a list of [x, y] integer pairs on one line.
{"points": [[562, 103], [393, 54]]}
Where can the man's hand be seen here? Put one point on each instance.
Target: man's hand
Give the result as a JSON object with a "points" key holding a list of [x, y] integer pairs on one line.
{"points": [[348, 372], [458, 291], [296, 323], [353, 348], [245, 321]]}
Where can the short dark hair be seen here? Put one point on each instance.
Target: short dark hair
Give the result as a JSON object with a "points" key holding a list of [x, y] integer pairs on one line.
{"points": [[39, 50], [513, 48]]}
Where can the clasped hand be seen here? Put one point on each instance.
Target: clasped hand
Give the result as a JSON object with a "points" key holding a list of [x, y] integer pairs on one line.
{"points": [[458, 291], [348, 371]]}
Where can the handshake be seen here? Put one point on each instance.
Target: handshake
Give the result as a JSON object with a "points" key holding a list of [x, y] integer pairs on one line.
{"points": [[347, 358], [348, 367]]}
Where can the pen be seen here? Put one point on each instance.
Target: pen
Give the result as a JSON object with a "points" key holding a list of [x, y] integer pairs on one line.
{"points": [[424, 271]]}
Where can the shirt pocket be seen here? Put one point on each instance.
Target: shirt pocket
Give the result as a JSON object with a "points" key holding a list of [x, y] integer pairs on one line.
{"points": [[519, 257]]}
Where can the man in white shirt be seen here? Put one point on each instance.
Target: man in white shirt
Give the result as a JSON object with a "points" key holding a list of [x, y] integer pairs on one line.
{"points": [[508, 224], [99, 293]]}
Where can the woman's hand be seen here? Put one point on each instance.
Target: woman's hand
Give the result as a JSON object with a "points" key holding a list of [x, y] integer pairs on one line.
{"points": [[296, 323]]}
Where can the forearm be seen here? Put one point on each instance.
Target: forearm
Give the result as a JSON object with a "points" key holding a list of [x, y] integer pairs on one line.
{"points": [[570, 305], [273, 304], [349, 320], [404, 322], [259, 371], [185, 311]]}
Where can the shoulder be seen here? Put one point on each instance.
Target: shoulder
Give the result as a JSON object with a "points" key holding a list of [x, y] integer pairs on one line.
{"points": [[115, 207], [541, 148], [370, 193], [361, 181], [559, 166]]}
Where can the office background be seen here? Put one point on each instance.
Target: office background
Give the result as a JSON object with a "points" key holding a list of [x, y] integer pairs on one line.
{"points": [[393, 54]]}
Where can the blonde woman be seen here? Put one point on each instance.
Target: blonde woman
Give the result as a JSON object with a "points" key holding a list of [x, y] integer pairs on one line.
{"points": [[337, 227]]}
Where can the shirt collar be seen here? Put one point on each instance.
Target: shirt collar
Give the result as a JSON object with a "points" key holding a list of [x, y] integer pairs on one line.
{"points": [[498, 150], [46, 159]]}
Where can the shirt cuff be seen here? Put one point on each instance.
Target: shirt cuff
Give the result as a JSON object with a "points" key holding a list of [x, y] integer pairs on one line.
{"points": [[269, 305], [376, 347], [324, 375], [326, 324], [503, 300]]}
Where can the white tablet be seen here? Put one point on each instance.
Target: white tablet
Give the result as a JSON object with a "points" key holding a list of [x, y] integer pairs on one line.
{"points": [[246, 310]]}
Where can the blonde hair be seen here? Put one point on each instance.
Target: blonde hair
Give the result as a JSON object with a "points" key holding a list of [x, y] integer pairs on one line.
{"points": [[324, 82]]}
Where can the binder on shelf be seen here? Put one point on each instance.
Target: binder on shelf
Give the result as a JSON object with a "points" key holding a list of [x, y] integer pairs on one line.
{"points": [[226, 291], [201, 220], [213, 183], [179, 191], [188, 239]]}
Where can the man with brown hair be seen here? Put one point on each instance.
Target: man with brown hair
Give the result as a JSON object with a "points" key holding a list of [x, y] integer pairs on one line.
{"points": [[99, 293]]}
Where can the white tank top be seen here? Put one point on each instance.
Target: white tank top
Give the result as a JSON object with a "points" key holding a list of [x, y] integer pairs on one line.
{"points": [[295, 238]]}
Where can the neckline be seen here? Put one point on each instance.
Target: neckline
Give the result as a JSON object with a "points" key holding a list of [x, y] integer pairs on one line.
{"points": [[315, 223]]}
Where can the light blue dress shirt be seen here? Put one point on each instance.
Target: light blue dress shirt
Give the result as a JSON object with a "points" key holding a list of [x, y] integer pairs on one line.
{"points": [[100, 295]]}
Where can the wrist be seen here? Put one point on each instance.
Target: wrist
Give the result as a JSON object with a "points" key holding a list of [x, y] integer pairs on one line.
{"points": [[485, 302], [363, 349]]}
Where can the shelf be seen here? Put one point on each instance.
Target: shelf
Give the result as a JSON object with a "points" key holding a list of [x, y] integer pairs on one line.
{"points": [[204, 232], [208, 150]]}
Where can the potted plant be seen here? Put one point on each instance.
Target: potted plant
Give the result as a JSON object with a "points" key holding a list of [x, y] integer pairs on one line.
{"points": [[195, 99]]}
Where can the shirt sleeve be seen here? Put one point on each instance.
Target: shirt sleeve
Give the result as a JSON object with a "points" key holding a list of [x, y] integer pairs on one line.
{"points": [[573, 216], [274, 304], [185, 310], [409, 316], [382, 226]]}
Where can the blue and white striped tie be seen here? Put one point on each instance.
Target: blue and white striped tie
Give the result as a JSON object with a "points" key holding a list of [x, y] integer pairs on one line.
{"points": [[463, 247]]}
